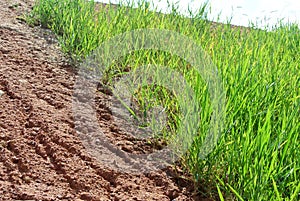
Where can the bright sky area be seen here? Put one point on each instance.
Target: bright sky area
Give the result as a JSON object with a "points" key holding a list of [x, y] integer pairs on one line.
{"points": [[260, 12]]}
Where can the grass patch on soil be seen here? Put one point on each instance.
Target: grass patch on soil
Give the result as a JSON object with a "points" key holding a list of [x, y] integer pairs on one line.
{"points": [[257, 156]]}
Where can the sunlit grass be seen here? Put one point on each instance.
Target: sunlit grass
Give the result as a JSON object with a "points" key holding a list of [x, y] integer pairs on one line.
{"points": [[258, 154]]}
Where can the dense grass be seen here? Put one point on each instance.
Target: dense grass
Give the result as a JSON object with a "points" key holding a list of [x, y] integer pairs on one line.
{"points": [[258, 154]]}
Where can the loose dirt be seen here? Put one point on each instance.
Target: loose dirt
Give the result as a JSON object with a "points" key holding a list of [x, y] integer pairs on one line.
{"points": [[41, 155]]}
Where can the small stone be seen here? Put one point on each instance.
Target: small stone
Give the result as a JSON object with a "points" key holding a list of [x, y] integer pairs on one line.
{"points": [[22, 80], [26, 179], [1, 93], [59, 196]]}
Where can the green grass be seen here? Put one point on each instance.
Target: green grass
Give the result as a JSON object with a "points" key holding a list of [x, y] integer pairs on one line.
{"points": [[258, 154]]}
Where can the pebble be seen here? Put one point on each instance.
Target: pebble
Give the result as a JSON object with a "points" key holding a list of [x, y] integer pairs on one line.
{"points": [[22, 80], [1, 93]]}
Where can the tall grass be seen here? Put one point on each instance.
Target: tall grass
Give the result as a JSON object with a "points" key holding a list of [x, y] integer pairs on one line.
{"points": [[258, 154]]}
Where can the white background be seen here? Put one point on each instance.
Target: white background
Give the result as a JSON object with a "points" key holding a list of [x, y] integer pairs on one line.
{"points": [[241, 12]]}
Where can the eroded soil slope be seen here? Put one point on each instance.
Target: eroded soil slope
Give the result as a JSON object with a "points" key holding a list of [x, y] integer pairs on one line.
{"points": [[41, 156]]}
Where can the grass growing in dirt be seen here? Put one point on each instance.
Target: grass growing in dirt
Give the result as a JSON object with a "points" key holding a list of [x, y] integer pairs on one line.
{"points": [[258, 154]]}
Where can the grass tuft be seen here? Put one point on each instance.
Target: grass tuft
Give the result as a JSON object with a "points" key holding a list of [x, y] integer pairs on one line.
{"points": [[257, 157]]}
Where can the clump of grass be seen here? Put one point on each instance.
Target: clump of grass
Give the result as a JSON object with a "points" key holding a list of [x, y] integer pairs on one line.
{"points": [[257, 157]]}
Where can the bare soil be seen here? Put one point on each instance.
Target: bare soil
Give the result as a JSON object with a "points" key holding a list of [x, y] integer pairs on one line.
{"points": [[41, 156]]}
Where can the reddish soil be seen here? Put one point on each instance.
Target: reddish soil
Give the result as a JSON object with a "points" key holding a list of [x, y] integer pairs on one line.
{"points": [[41, 155]]}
